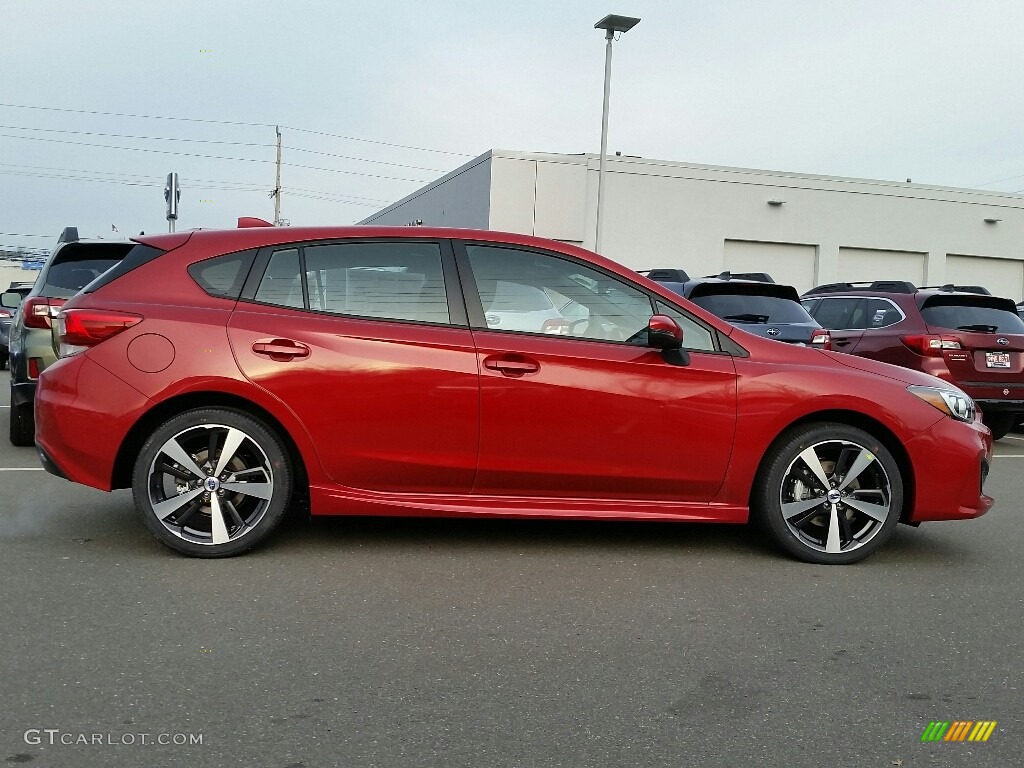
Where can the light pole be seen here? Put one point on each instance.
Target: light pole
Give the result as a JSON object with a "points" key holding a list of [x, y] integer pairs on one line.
{"points": [[610, 24]]}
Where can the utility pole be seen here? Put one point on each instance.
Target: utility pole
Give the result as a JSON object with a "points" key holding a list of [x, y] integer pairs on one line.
{"points": [[277, 181]]}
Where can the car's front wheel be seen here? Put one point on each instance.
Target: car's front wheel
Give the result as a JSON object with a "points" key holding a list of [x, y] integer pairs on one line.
{"points": [[828, 493], [212, 482]]}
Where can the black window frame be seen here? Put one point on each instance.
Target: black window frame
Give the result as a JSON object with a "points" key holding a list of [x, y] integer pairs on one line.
{"points": [[478, 321], [457, 314]]}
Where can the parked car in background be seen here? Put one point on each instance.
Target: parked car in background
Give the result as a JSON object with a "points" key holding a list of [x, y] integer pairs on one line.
{"points": [[9, 303], [223, 375], [968, 338], [72, 265], [751, 301]]}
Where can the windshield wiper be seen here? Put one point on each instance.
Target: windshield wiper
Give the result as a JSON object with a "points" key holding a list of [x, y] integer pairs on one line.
{"points": [[980, 328], [748, 318]]}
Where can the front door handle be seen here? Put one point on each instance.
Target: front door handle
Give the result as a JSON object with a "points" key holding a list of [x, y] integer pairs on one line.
{"points": [[281, 350], [511, 364]]}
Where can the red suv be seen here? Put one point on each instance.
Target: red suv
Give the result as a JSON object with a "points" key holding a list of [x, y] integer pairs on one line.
{"points": [[226, 375], [960, 333]]}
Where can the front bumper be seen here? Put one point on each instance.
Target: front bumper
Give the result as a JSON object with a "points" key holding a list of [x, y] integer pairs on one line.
{"points": [[951, 461]]}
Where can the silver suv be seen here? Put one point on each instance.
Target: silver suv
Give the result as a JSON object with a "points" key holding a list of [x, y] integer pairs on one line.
{"points": [[72, 265]]}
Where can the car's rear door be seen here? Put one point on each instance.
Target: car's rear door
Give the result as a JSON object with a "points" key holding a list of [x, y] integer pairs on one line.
{"points": [[367, 343], [843, 317], [588, 410]]}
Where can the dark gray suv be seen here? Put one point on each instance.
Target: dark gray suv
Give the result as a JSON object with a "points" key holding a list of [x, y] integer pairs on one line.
{"points": [[72, 265]]}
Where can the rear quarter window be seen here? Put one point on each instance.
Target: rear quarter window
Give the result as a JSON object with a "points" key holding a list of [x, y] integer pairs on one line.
{"points": [[223, 276]]}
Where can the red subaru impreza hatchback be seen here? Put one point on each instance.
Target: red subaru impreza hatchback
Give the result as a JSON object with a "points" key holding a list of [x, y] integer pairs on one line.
{"points": [[226, 375]]}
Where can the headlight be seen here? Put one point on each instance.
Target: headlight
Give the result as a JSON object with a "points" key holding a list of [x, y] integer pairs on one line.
{"points": [[951, 402]]}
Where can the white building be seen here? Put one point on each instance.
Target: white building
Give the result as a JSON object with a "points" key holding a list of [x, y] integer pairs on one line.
{"points": [[801, 228]]}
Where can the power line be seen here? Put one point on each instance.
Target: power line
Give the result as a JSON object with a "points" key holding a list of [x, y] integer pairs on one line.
{"points": [[15, 234], [215, 186], [232, 122], [127, 136], [156, 180], [372, 141], [362, 160], [207, 157]]}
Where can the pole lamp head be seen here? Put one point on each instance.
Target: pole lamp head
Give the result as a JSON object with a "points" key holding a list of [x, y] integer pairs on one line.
{"points": [[612, 24], [172, 194]]}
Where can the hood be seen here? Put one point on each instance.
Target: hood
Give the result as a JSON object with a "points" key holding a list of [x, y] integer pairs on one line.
{"points": [[894, 372]]}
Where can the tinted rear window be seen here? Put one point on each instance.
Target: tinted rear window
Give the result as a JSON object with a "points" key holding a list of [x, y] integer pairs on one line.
{"points": [[136, 257], [957, 313], [727, 305], [66, 278]]}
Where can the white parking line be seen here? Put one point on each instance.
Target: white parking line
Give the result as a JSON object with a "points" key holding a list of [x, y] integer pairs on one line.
{"points": [[1007, 437], [21, 469]]}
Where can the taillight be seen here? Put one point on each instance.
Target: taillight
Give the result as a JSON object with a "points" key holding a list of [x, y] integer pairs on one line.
{"points": [[5, 313], [33, 367], [40, 311], [80, 329], [822, 339], [931, 346]]}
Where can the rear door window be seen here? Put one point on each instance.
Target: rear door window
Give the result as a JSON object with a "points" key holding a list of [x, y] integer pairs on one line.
{"points": [[383, 280], [841, 314]]}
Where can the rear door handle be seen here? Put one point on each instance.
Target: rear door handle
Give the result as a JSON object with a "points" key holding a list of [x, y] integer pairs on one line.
{"points": [[280, 350], [511, 364]]}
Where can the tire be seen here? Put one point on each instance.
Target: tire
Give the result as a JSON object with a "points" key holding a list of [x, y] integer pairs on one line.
{"points": [[1000, 424], [172, 482], [817, 521], [23, 425]]}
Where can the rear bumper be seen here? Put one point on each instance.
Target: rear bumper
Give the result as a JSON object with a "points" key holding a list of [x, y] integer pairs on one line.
{"points": [[999, 406], [951, 461], [78, 434]]}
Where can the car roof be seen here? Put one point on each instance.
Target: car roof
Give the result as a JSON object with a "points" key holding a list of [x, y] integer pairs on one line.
{"points": [[227, 240], [890, 287]]}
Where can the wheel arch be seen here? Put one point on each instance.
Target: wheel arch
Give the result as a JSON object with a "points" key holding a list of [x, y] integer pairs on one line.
{"points": [[859, 420], [121, 476]]}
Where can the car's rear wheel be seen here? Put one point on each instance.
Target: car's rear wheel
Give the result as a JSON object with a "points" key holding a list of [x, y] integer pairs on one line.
{"points": [[23, 424], [212, 482], [999, 423], [828, 493]]}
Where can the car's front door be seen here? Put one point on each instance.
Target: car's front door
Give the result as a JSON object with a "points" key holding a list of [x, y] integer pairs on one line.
{"points": [[358, 339], [582, 407]]}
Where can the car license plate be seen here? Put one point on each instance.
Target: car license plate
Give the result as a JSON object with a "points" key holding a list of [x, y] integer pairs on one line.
{"points": [[997, 359]]}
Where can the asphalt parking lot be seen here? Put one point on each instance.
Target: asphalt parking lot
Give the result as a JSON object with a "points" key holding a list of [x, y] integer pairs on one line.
{"points": [[355, 642]]}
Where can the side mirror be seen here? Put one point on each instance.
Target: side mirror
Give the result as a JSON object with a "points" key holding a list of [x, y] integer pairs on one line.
{"points": [[664, 333], [10, 299]]}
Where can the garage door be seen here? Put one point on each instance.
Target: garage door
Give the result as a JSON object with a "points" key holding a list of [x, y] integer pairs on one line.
{"points": [[786, 262], [869, 264], [1003, 277]]}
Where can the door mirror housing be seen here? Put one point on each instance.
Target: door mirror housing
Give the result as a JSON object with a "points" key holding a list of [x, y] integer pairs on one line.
{"points": [[664, 333], [10, 299]]}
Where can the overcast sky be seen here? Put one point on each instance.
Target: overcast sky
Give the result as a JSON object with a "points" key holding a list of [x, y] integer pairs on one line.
{"points": [[886, 89]]}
